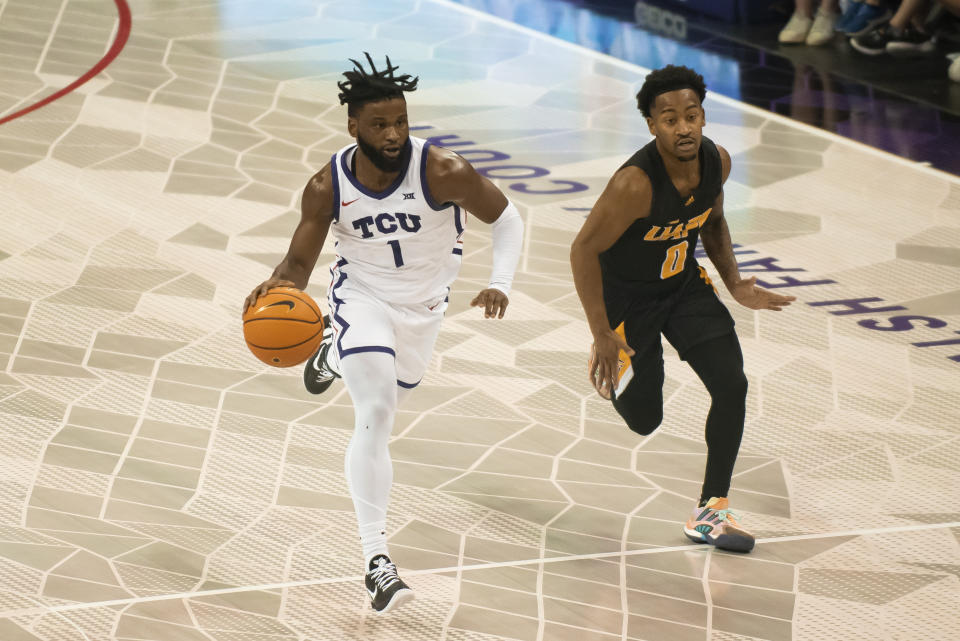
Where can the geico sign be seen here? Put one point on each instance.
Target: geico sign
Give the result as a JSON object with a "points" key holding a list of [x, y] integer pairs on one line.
{"points": [[661, 20]]}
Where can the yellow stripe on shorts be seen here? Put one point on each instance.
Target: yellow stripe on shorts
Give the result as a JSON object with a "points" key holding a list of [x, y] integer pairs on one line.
{"points": [[625, 366]]}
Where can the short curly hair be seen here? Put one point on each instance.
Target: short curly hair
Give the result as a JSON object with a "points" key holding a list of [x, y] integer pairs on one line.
{"points": [[669, 78]]}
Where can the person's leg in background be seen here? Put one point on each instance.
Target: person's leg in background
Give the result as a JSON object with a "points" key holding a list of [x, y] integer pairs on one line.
{"points": [[824, 22], [850, 9], [909, 29], [904, 33], [808, 27], [869, 14], [953, 6], [796, 30]]}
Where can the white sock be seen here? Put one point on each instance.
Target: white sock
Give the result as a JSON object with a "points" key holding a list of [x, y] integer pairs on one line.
{"points": [[373, 538], [371, 379]]}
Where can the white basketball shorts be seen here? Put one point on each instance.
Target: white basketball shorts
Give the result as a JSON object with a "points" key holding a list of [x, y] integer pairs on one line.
{"points": [[363, 323]]}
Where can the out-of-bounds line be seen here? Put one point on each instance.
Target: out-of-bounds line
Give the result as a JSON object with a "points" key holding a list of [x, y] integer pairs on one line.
{"points": [[688, 547], [123, 34]]}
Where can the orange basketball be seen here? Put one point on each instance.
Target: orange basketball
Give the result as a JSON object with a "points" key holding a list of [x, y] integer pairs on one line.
{"points": [[283, 327]]}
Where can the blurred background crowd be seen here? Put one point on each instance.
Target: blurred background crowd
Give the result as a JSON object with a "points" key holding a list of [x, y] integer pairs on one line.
{"points": [[876, 27]]}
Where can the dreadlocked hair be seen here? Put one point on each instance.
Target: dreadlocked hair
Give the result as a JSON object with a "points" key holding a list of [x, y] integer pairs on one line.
{"points": [[669, 78], [362, 86]]}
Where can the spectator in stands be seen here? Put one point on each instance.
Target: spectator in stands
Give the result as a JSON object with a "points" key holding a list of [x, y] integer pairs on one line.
{"points": [[862, 16], [805, 27], [953, 6], [904, 33]]}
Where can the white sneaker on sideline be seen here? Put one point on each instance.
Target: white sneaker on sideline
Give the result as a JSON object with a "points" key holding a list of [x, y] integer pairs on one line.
{"points": [[954, 71], [796, 30], [822, 30]]}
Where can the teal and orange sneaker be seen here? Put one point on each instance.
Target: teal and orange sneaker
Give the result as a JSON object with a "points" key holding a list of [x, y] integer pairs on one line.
{"points": [[715, 524]]}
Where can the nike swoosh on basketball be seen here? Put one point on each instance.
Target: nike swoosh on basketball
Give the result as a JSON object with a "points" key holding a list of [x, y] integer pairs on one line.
{"points": [[288, 303], [344, 204]]}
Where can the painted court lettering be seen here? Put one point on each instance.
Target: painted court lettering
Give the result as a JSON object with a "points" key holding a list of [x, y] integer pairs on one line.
{"points": [[776, 275], [856, 306], [504, 171], [902, 323]]}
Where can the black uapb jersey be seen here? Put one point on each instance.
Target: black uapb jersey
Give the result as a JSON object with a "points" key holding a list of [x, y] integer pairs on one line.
{"points": [[654, 257]]}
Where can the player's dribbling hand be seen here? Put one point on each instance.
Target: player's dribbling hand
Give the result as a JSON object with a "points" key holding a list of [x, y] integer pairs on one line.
{"points": [[749, 295], [604, 365], [263, 288], [493, 301]]}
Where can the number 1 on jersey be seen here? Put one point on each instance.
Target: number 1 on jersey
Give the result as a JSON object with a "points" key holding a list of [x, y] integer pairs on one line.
{"points": [[674, 262], [397, 256]]}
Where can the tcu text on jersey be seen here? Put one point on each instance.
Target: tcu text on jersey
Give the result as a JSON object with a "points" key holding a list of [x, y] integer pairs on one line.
{"points": [[387, 223]]}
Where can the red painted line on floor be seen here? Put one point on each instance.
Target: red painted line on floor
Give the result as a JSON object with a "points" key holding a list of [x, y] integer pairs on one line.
{"points": [[123, 34]]}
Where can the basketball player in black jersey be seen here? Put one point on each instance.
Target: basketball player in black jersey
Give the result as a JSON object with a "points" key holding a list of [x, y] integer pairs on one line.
{"points": [[636, 275]]}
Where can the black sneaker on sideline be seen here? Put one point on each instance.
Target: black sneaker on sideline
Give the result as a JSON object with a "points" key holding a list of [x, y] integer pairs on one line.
{"points": [[875, 41], [912, 40], [317, 375], [386, 589]]}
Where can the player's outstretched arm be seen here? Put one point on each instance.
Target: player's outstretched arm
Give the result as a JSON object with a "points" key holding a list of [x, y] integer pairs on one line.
{"points": [[715, 236], [316, 211], [626, 198], [452, 179]]}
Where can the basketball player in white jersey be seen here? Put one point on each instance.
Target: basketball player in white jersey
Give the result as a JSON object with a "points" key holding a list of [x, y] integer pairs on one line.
{"points": [[396, 206]]}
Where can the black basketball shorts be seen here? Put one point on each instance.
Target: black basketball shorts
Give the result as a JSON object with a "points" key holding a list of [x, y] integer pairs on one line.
{"points": [[687, 317]]}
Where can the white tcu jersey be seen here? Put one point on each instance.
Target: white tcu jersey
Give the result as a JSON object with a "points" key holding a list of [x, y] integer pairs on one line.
{"points": [[399, 243]]}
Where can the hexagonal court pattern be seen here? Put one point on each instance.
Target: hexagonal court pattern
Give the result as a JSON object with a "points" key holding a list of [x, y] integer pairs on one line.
{"points": [[160, 483]]}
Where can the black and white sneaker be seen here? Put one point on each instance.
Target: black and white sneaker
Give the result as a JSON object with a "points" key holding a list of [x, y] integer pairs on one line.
{"points": [[317, 375], [875, 41], [885, 38], [386, 589], [912, 40]]}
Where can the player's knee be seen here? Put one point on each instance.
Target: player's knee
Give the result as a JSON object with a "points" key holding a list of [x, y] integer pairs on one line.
{"points": [[642, 420], [646, 426], [378, 413], [731, 386]]}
